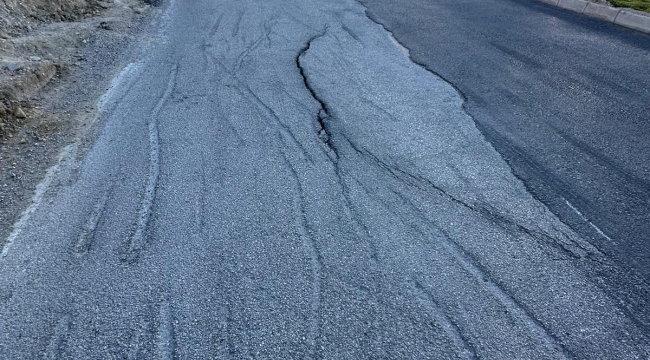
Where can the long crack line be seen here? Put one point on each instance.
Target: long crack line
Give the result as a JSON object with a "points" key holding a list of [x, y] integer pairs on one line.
{"points": [[323, 112]]}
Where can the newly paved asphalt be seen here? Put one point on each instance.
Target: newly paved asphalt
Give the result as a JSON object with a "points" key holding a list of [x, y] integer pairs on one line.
{"points": [[278, 180]]}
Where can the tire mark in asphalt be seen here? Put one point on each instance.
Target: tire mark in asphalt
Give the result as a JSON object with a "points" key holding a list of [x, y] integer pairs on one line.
{"points": [[165, 340], [87, 235], [215, 27], [638, 184], [248, 50], [315, 260], [55, 346], [327, 137], [476, 270], [143, 335], [352, 34], [325, 134], [268, 30], [222, 344], [135, 348], [379, 108], [137, 240], [121, 84], [237, 26], [245, 90], [576, 248], [428, 229], [568, 247], [465, 349], [201, 206], [247, 93]]}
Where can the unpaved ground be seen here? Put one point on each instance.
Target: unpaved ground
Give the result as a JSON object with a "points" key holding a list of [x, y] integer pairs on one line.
{"points": [[56, 59]]}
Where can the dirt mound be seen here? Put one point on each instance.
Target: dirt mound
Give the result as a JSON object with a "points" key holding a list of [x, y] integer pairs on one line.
{"points": [[20, 16], [39, 39], [56, 58], [14, 111], [22, 67]]}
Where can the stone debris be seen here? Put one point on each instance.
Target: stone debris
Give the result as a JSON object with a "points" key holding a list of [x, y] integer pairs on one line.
{"points": [[19, 113]]}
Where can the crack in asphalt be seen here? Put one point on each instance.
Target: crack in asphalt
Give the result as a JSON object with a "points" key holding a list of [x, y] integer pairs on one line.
{"points": [[325, 133]]}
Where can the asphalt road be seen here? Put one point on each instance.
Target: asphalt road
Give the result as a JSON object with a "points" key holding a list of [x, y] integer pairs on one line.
{"points": [[279, 180], [565, 101]]}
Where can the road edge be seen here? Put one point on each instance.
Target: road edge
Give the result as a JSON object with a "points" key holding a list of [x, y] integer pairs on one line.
{"points": [[625, 17]]}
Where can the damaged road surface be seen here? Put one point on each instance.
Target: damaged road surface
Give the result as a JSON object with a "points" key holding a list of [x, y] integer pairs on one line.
{"points": [[278, 180]]}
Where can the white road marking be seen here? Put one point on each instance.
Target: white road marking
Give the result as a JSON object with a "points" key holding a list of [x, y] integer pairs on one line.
{"points": [[585, 219]]}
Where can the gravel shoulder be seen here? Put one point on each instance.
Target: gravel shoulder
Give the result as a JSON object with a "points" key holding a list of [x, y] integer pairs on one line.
{"points": [[55, 63]]}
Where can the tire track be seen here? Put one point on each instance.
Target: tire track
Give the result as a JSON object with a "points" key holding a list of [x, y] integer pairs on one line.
{"points": [[566, 247], [464, 348], [54, 349], [426, 228], [476, 270], [222, 344], [248, 94], [217, 24], [87, 235], [137, 240], [237, 26], [135, 349], [165, 340], [315, 260], [327, 136], [201, 206], [323, 113], [240, 59]]}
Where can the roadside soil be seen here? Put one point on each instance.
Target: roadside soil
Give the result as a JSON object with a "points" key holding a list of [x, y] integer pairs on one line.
{"points": [[57, 57]]}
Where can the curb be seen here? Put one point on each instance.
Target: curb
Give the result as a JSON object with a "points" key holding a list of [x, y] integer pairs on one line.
{"points": [[620, 16]]}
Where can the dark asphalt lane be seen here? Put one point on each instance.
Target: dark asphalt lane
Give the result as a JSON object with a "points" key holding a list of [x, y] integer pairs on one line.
{"points": [[278, 180], [565, 99]]}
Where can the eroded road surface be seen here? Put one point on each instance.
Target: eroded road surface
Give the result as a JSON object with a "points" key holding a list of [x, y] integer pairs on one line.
{"points": [[277, 179]]}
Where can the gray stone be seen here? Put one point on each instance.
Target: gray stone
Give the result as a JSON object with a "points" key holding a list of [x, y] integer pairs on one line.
{"points": [[573, 5], [633, 20], [603, 12], [20, 113], [14, 66]]}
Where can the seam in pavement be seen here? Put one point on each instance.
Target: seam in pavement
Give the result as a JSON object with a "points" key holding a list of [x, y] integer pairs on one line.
{"points": [[631, 19]]}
